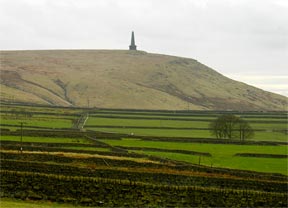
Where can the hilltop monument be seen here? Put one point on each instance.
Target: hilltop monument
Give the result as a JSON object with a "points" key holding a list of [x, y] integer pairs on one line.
{"points": [[132, 45]]}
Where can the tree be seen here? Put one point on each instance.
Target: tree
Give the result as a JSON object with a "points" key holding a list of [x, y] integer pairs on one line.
{"points": [[224, 126], [231, 126], [245, 130]]}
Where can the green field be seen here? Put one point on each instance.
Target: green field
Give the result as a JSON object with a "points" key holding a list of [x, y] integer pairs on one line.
{"points": [[259, 136], [139, 159], [119, 125], [51, 123], [172, 123], [222, 154], [269, 165], [44, 139]]}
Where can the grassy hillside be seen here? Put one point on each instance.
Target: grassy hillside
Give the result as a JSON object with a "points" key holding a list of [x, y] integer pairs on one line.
{"points": [[124, 79]]}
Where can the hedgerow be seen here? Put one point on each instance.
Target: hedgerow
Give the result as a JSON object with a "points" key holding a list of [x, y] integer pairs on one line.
{"points": [[118, 193]]}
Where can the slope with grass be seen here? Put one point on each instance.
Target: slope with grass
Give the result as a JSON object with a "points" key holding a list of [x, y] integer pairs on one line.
{"points": [[124, 79]]}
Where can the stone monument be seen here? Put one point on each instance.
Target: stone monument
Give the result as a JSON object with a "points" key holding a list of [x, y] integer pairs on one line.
{"points": [[132, 45]]}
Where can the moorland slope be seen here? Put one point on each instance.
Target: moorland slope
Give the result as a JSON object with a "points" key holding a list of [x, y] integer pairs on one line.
{"points": [[124, 79]]}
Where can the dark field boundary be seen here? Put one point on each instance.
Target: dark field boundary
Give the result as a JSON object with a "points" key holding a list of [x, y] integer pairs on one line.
{"points": [[207, 140], [199, 140], [107, 135], [150, 177], [56, 147], [187, 114], [32, 127], [48, 144], [174, 119], [177, 165], [261, 155], [156, 127], [128, 127], [96, 192], [96, 110], [65, 133], [167, 150], [39, 113]]}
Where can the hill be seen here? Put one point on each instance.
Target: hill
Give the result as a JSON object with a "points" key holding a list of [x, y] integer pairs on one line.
{"points": [[124, 79]]}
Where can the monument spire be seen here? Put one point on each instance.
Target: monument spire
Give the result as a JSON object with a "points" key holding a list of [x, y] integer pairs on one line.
{"points": [[132, 46]]}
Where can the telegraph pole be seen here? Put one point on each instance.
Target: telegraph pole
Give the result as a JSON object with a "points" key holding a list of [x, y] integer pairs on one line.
{"points": [[21, 138]]}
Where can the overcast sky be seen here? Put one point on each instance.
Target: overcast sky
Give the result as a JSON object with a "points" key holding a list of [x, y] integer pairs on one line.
{"points": [[246, 40]]}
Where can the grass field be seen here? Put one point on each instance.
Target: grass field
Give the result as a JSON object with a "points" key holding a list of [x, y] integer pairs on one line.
{"points": [[106, 167], [36, 117], [222, 154], [269, 165], [173, 123], [51, 123], [269, 131], [44, 139], [259, 136]]}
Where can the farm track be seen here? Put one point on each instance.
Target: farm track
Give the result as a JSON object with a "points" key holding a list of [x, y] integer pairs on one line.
{"points": [[80, 122]]}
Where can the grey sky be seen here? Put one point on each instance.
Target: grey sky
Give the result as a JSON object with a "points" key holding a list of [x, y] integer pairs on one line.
{"points": [[242, 39]]}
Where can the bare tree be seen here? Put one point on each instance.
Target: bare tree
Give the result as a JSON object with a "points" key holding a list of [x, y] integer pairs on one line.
{"points": [[231, 126], [245, 130]]}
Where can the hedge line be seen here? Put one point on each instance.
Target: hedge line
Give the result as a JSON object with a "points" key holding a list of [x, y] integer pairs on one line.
{"points": [[34, 127], [38, 113], [46, 144], [65, 159], [117, 193], [175, 119], [95, 109], [155, 178], [261, 155], [55, 149], [62, 133], [156, 127], [47, 133], [202, 140], [168, 150], [107, 135], [181, 114], [175, 164]]}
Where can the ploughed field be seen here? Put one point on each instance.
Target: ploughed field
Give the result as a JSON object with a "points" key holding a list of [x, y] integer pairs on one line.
{"points": [[106, 157]]}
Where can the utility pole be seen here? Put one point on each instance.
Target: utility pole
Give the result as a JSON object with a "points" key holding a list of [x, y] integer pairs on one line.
{"points": [[21, 140]]}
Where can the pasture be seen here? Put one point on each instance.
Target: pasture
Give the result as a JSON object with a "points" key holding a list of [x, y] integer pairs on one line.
{"points": [[109, 157], [267, 128], [222, 155]]}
